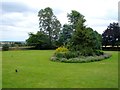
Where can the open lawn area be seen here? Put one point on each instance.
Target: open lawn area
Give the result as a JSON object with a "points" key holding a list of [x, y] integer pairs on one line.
{"points": [[35, 70], [0, 69]]}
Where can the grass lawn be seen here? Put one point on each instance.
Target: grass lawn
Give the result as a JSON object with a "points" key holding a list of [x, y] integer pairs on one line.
{"points": [[0, 69], [35, 70]]}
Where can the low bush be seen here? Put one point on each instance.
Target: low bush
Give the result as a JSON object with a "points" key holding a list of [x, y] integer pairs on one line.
{"points": [[61, 49], [81, 59], [5, 47], [62, 54], [67, 54], [98, 52]]}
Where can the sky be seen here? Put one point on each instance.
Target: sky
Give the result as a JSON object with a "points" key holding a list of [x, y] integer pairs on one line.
{"points": [[19, 17]]}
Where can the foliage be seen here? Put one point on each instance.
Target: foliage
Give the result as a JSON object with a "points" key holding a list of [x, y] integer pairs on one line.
{"points": [[65, 34], [94, 39], [39, 40], [81, 59], [5, 47], [111, 36], [61, 49], [63, 52], [66, 55], [49, 24], [84, 39], [79, 39], [74, 17], [47, 37], [63, 55], [74, 35]]}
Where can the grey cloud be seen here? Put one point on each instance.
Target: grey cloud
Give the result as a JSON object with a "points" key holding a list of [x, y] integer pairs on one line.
{"points": [[8, 22], [110, 15], [9, 7]]}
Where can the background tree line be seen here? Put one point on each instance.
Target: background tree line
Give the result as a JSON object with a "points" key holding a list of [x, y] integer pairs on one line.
{"points": [[74, 35]]}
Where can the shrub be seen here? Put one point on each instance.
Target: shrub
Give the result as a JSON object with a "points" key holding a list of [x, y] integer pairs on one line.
{"points": [[71, 54], [61, 49], [98, 52], [81, 59], [67, 54], [60, 54], [5, 47]]}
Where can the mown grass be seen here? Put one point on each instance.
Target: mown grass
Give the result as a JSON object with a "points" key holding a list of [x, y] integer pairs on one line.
{"points": [[35, 70], [0, 69]]}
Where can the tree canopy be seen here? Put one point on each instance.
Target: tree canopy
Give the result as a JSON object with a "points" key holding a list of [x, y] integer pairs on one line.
{"points": [[39, 40], [84, 39], [75, 35], [49, 24], [111, 36]]}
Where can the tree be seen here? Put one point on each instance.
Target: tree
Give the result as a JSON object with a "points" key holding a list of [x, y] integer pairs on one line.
{"points": [[77, 22], [74, 17], [84, 39], [39, 40], [65, 34], [5, 47], [49, 24], [111, 36], [94, 38]]}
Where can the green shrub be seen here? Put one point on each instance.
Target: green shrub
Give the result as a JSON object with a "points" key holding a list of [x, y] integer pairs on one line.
{"points": [[60, 54], [81, 59], [71, 54], [98, 52], [5, 47], [87, 52], [66, 55], [61, 49]]}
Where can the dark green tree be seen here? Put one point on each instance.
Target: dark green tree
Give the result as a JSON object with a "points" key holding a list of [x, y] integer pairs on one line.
{"points": [[77, 20], [111, 36], [5, 47], [39, 40], [65, 34], [84, 39], [49, 24], [94, 38], [74, 17]]}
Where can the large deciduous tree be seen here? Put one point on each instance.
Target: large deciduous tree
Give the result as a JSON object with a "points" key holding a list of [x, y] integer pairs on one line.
{"points": [[49, 24]]}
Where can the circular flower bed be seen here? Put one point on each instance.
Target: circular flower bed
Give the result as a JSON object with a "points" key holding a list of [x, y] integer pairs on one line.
{"points": [[81, 59], [62, 54]]}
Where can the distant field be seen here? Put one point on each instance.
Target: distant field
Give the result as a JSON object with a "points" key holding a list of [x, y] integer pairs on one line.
{"points": [[35, 70]]}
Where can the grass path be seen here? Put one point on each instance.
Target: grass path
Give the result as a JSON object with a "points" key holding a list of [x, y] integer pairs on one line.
{"points": [[35, 70]]}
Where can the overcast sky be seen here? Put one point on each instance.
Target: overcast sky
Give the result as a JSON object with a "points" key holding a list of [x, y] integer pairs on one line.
{"points": [[19, 17]]}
